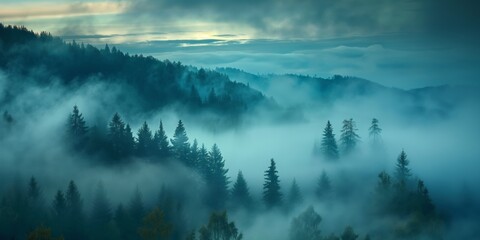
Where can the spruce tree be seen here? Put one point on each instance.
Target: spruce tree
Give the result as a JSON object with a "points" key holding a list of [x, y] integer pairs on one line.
{"points": [[34, 191], [328, 146], [272, 196], [294, 195], [128, 142], [375, 130], [161, 143], [324, 186], [402, 171], [180, 145], [77, 128], [59, 205], [75, 219], [240, 193], [217, 180], [202, 162], [116, 133], [193, 155], [145, 144], [136, 208], [349, 137]]}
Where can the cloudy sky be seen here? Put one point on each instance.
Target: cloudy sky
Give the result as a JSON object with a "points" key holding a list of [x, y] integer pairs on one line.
{"points": [[406, 44]]}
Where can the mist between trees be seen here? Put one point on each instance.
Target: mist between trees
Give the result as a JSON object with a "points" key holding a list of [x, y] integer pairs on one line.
{"points": [[113, 183], [356, 160]]}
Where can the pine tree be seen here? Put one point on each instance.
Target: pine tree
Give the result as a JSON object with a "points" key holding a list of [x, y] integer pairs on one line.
{"points": [[402, 172], [349, 137], [77, 128], [294, 195], [375, 130], [34, 191], [161, 143], [324, 186], [59, 205], [136, 208], [329, 147], [116, 133], [240, 193], [59, 211], [424, 203], [202, 162], [193, 155], [122, 222], [271, 188], [75, 219], [145, 144], [35, 204], [128, 142], [180, 145], [217, 180]]}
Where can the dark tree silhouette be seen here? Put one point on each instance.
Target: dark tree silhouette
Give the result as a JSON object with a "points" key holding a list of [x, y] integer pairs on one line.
{"points": [[328, 146], [295, 196], [101, 214], [402, 171], [180, 145], [217, 180], [324, 187], [193, 156], [116, 133], [349, 137], [136, 209], [272, 196], [240, 196], [202, 163], [161, 143], [75, 219], [145, 143], [375, 130], [77, 129], [34, 191]]}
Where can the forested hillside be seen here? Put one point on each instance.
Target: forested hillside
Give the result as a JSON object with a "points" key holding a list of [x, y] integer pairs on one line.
{"points": [[41, 59]]}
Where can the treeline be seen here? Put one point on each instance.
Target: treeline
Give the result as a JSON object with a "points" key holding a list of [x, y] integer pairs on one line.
{"points": [[152, 83], [330, 150], [25, 212]]}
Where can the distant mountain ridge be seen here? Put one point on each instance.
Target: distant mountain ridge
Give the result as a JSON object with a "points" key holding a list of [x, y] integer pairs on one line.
{"points": [[433, 100], [151, 84], [27, 57]]}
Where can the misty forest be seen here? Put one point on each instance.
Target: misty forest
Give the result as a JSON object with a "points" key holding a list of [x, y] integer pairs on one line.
{"points": [[97, 143]]}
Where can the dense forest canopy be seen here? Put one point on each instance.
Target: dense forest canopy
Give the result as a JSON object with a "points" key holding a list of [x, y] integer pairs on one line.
{"points": [[99, 144]]}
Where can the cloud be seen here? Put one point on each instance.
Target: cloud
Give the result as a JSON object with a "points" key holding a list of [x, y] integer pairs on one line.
{"points": [[320, 19], [43, 10]]}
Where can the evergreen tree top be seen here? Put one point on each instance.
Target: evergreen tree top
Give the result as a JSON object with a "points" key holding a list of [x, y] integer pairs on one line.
{"points": [[402, 170]]}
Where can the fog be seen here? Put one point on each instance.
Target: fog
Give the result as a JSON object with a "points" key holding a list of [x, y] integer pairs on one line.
{"points": [[443, 151]]}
